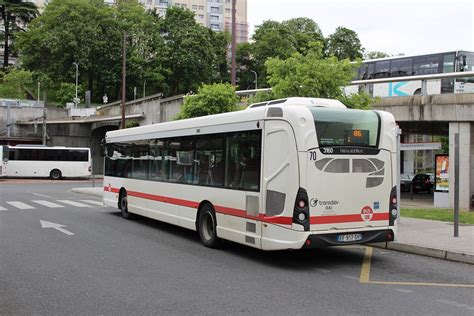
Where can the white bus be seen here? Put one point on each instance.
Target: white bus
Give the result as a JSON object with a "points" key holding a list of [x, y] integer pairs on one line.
{"points": [[401, 66], [287, 174], [3, 160], [54, 162]]}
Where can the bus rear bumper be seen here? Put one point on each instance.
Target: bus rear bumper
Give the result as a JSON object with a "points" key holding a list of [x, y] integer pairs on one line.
{"points": [[341, 239]]}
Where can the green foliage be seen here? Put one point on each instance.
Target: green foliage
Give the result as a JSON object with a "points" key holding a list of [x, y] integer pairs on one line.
{"points": [[275, 40], [14, 83], [344, 43], [132, 123], [66, 93], [309, 75], [465, 217], [261, 97], [375, 55], [359, 100], [211, 99], [190, 54]]}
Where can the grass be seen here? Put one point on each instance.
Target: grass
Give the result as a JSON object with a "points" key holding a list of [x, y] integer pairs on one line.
{"points": [[445, 215]]}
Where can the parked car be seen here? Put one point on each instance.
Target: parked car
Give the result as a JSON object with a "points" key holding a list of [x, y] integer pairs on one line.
{"points": [[405, 181], [423, 182]]}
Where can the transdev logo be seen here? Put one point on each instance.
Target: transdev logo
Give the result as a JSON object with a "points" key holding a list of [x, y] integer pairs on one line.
{"points": [[366, 214]]}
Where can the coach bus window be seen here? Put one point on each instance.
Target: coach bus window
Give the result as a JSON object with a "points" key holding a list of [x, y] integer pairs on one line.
{"points": [[382, 69], [425, 65], [157, 165], [401, 67], [140, 161]]}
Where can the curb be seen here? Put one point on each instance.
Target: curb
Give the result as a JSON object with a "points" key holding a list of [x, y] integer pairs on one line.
{"points": [[427, 251], [87, 191]]}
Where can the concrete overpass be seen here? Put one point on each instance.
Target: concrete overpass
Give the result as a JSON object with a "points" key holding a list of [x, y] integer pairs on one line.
{"points": [[445, 114]]}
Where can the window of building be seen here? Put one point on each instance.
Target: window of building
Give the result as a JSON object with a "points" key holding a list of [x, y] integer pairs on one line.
{"points": [[214, 18], [214, 9], [201, 7], [215, 27], [194, 7]]}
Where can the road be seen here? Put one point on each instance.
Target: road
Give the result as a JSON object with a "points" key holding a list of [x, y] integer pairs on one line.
{"points": [[99, 263]]}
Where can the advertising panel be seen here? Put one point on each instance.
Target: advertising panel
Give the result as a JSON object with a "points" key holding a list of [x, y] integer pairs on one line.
{"points": [[442, 175]]}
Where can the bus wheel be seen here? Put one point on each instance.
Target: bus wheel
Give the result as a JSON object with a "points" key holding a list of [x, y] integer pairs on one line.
{"points": [[123, 205], [55, 174], [207, 227]]}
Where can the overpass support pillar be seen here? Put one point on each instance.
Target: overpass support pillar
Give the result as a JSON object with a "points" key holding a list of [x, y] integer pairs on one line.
{"points": [[466, 163]]}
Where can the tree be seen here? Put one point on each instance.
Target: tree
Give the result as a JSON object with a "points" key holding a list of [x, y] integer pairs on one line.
{"points": [[66, 92], [190, 54], [375, 55], [211, 99], [15, 83], [311, 75], [275, 39], [15, 14], [344, 43]]}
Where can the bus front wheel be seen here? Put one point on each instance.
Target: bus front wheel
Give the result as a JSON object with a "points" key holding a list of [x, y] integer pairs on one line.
{"points": [[123, 205], [207, 227], [55, 174]]}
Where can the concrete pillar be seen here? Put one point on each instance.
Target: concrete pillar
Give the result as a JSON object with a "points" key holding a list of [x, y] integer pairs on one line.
{"points": [[466, 163]]}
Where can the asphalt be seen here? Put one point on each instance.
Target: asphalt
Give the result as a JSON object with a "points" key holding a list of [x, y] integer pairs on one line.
{"points": [[417, 236]]}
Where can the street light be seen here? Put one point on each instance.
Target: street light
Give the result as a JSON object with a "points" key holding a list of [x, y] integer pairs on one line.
{"points": [[76, 100], [255, 73]]}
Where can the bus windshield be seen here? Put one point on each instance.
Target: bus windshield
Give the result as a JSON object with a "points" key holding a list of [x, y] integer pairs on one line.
{"points": [[335, 127]]}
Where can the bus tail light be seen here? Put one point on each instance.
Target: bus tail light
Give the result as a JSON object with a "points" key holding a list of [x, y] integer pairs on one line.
{"points": [[393, 211], [301, 209]]}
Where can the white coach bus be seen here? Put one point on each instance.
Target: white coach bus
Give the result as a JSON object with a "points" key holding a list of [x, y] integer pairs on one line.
{"points": [[53, 162], [3, 160], [286, 174]]}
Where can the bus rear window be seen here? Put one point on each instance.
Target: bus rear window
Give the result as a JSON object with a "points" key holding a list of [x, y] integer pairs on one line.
{"points": [[336, 127]]}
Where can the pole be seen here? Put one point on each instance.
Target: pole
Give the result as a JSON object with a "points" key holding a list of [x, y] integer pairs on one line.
{"points": [[144, 85], [456, 185], [8, 120], [234, 43], [399, 135], [124, 69], [92, 172], [255, 73], [77, 81]]}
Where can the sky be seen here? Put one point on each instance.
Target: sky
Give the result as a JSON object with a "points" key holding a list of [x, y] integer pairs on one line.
{"points": [[393, 26]]}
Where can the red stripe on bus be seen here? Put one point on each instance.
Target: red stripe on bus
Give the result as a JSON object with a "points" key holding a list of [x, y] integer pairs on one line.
{"points": [[282, 220], [332, 219]]}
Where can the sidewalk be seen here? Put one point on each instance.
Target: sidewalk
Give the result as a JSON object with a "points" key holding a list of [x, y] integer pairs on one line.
{"points": [[418, 236]]}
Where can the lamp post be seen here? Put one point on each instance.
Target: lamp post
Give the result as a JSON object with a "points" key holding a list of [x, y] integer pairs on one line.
{"points": [[255, 73], [76, 100]]}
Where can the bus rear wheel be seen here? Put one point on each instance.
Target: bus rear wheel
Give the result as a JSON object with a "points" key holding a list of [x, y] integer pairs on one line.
{"points": [[55, 174], [123, 205], [207, 227]]}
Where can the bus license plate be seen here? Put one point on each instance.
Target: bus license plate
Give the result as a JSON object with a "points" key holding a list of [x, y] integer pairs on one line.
{"points": [[349, 237]]}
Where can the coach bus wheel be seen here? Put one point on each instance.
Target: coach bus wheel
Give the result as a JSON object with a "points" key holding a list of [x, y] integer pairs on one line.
{"points": [[207, 227], [55, 174], [123, 204]]}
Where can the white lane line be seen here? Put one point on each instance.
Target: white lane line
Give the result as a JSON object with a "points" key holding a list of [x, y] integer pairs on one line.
{"points": [[73, 203], [404, 291], [47, 203], [42, 195], [93, 202], [20, 205], [3, 209], [350, 277], [453, 303]]}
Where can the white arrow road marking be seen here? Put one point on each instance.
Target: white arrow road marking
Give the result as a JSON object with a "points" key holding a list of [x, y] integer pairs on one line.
{"points": [[73, 203], [93, 202], [3, 209], [20, 205], [47, 203], [45, 224]]}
